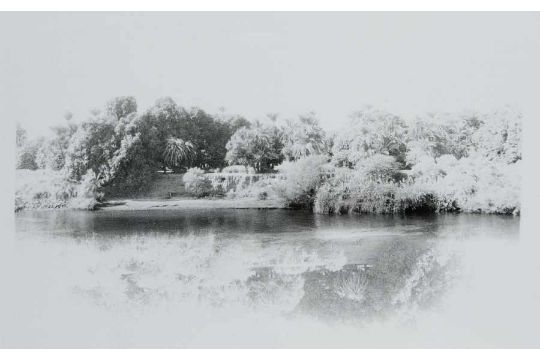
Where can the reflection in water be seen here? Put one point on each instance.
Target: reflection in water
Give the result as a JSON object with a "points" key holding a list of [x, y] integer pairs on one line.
{"points": [[241, 263]]}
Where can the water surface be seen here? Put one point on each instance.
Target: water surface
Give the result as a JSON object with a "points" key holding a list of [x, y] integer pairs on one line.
{"points": [[259, 264]]}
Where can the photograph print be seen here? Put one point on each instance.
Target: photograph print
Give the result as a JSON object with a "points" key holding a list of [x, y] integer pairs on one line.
{"points": [[268, 180]]}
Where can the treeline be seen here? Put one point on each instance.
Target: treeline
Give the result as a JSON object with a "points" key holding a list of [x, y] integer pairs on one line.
{"points": [[383, 163], [378, 162], [118, 151]]}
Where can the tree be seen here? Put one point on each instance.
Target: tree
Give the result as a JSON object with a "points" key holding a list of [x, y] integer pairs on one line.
{"points": [[206, 133], [21, 135], [493, 136], [156, 125], [102, 145], [27, 154], [27, 150], [178, 152], [121, 106], [434, 135], [303, 137], [209, 136], [259, 147], [52, 152], [237, 122], [499, 136], [370, 131]]}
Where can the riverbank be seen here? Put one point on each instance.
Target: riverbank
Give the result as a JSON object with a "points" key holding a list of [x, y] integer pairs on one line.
{"points": [[190, 203]]}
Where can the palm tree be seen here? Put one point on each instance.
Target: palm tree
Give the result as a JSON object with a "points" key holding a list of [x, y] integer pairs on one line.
{"points": [[177, 151]]}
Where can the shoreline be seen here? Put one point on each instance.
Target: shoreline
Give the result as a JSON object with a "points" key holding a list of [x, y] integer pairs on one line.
{"points": [[204, 203], [189, 203]]}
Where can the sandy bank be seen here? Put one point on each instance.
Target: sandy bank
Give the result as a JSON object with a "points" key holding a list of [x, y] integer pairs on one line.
{"points": [[159, 204]]}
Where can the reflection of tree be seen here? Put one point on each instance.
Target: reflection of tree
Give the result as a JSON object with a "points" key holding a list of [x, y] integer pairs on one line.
{"points": [[402, 276]]}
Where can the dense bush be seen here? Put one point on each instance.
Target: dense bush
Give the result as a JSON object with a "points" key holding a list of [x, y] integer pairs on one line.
{"points": [[348, 193], [302, 178], [439, 163], [52, 189], [196, 183], [472, 184], [263, 189], [42, 189], [448, 185], [27, 150]]}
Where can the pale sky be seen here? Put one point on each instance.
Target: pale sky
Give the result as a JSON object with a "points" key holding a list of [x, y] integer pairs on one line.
{"points": [[256, 63]]}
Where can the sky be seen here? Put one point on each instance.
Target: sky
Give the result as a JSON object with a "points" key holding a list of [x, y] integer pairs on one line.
{"points": [[257, 63]]}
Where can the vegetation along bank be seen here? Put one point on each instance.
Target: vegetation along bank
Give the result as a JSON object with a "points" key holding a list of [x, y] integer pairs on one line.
{"points": [[378, 162]]}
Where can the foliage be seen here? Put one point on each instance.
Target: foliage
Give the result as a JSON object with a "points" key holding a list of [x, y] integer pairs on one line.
{"points": [[435, 135], [302, 178], [351, 190], [457, 162], [210, 137], [125, 149], [20, 136], [380, 162], [499, 136], [121, 106], [263, 189], [27, 154], [207, 135], [88, 193], [101, 144], [177, 152], [45, 188], [52, 152], [303, 137], [42, 189], [259, 147], [370, 132], [471, 184], [380, 168], [197, 183], [26, 150]]}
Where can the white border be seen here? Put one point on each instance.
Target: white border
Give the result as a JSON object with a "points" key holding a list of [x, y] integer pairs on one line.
{"points": [[289, 5], [270, 5], [270, 354]]}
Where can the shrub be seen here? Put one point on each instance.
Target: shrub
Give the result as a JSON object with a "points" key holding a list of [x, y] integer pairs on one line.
{"points": [[38, 189], [331, 199], [380, 167], [302, 178], [43, 189], [263, 189], [88, 194], [197, 183], [357, 190], [26, 155], [471, 184]]}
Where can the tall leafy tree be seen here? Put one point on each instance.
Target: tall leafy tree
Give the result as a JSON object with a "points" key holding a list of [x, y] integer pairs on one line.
{"points": [[259, 147], [370, 131], [121, 106], [178, 152], [303, 137]]}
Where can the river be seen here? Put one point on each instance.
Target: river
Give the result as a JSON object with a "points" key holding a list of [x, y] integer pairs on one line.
{"points": [[245, 277]]}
